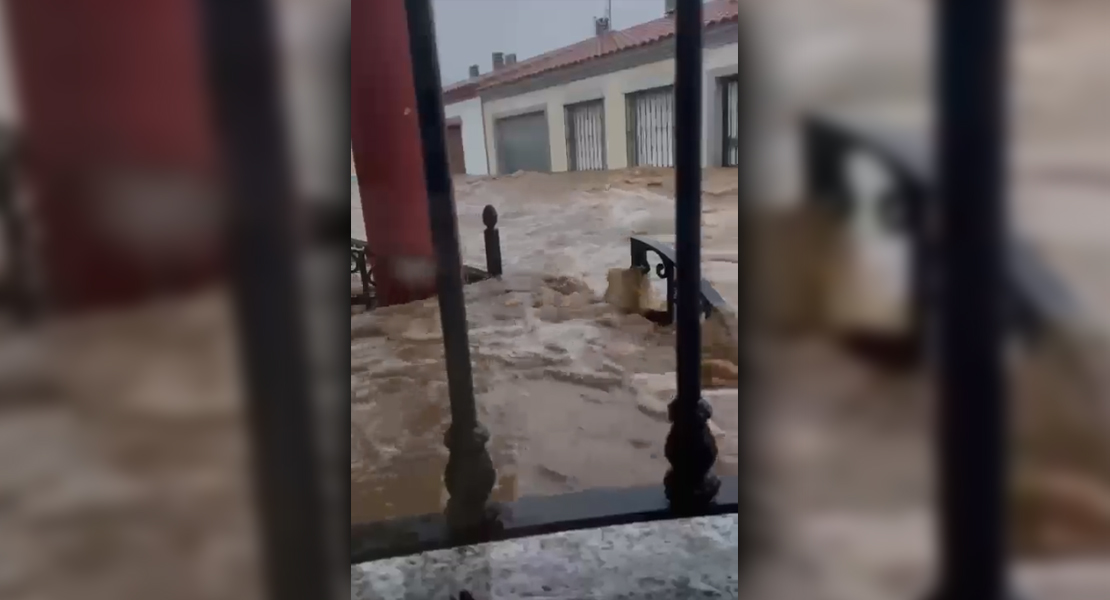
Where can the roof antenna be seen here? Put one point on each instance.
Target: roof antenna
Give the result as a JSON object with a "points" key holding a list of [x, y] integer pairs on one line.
{"points": [[603, 25]]}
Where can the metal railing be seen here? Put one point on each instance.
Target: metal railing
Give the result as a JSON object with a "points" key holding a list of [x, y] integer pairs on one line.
{"points": [[651, 127], [586, 143], [642, 247]]}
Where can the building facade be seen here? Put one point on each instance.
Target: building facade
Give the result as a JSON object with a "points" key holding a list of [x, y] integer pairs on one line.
{"points": [[466, 137], [604, 103]]}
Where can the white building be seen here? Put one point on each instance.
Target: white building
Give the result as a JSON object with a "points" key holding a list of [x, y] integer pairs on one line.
{"points": [[604, 103]]}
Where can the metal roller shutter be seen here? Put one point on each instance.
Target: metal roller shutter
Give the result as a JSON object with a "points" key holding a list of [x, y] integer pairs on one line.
{"points": [[586, 144], [730, 91], [524, 144], [651, 128]]}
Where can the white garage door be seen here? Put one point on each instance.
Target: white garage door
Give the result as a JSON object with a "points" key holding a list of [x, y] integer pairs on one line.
{"points": [[586, 136], [651, 128]]}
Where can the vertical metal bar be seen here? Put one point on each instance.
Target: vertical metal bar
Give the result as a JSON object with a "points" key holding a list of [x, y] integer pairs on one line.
{"points": [[243, 71], [633, 135], [590, 133], [726, 122], [971, 46], [691, 448], [671, 145], [571, 159], [602, 123], [594, 125], [659, 108], [20, 297], [730, 91], [589, 126], [470, 475]]}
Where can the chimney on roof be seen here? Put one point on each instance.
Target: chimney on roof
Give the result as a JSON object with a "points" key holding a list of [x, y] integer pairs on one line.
{"points": [[670, 7], [498, 61], [474, 71], [602, 26], [510, 59]]}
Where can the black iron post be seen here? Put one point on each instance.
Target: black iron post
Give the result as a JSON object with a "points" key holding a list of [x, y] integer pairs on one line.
{"points": [[973, 424], [493, 241], [19, 296], [362, 262], [691, 447], [470, 475], [243, 74]]}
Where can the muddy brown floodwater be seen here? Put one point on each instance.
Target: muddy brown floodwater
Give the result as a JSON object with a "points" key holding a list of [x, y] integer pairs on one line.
{"points": [[572, 391]]}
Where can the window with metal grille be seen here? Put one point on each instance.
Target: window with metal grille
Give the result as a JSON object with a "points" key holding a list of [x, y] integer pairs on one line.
{"points": [[730, 101], [586, 143], [651, 128]]}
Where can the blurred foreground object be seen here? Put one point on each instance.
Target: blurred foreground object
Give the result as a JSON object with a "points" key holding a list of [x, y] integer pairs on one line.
{"points": [[385, 139], [119, 148], [152, 135]]}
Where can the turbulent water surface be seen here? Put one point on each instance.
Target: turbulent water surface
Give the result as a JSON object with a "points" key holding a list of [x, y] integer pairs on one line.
{"points": [[572, 391]]}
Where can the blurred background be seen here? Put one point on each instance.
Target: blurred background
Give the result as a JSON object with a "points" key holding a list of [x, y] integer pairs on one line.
{"points": [[146, 144]]}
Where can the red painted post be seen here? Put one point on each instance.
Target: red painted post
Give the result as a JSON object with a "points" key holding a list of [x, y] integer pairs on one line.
{"points": [[385, 139], [119, 147]]}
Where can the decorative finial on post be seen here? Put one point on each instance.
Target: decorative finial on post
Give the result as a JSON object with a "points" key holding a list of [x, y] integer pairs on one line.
{"points": [[493, 241]]}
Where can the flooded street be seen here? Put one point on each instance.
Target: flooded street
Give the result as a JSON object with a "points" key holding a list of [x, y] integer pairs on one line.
{"points": [[568, 388], [573, 392]]}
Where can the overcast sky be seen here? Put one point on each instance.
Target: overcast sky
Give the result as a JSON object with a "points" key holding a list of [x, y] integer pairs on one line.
{"points": [[470, 31]]}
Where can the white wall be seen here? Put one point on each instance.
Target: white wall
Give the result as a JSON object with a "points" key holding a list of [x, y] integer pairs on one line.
{"points": [[473, 132], [613, 88]]}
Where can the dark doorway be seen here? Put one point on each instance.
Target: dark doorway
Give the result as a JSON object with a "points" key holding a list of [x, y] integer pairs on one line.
{"points": [[456, 152]]}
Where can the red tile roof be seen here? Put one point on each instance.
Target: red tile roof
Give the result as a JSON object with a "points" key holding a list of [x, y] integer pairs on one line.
{"points": [[717, 12], [461, 91]]}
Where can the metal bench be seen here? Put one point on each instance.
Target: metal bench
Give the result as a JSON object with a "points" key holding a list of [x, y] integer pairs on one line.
{"points": [[1037, 296], [363, 266], [360, 265], [642, 247]]}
